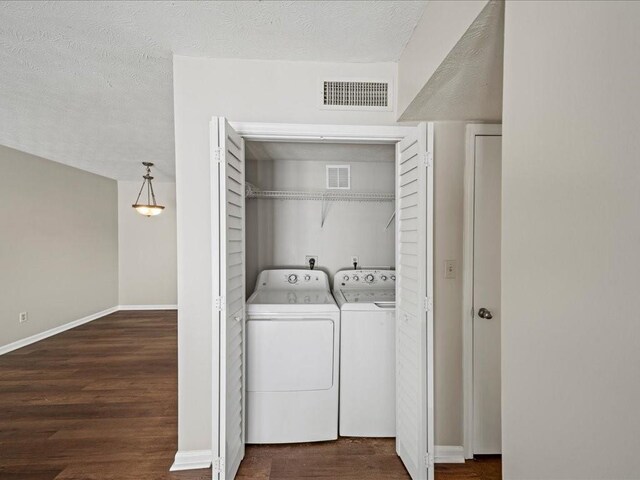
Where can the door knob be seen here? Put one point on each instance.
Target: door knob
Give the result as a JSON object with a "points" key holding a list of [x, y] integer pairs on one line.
{"points": [[484, 313]]}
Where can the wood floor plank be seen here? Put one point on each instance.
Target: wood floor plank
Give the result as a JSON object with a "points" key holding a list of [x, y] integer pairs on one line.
{"points": [[31, 473], [343, 467], [255, 468], [99, 402]]}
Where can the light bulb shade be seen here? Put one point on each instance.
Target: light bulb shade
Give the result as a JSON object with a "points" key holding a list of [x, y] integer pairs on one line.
{"points": [[148, 210]]}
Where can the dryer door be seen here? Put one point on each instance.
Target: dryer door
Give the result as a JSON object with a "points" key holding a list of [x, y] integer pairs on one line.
{"points": [[289, 355]]}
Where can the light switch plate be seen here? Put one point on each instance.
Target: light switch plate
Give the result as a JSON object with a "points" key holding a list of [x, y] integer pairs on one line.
{"points": [[450, 269]]}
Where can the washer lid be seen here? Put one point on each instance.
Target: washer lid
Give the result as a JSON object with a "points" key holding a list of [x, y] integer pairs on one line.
{"points": [[275, 302], [369, 296], [290, 297]]}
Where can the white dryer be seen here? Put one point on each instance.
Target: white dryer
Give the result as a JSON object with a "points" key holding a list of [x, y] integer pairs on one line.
{"points": [[293, 341], [367, 352]]}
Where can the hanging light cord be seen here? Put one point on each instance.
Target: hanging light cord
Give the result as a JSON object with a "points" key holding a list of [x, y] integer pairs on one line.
{"points": [[150, 193], [140, 192], [153, 195]]}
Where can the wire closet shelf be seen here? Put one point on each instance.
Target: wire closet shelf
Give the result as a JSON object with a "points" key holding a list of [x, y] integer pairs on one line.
{"points": [[325, 197], [253, 192]]}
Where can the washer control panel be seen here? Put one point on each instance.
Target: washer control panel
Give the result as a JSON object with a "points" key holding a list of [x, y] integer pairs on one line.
{"points": [[365, 278]]}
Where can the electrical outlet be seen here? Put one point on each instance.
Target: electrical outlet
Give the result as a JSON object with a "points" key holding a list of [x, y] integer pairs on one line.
{"points": [[450, 269], [309, 257], [23, 317], [354, 259]]}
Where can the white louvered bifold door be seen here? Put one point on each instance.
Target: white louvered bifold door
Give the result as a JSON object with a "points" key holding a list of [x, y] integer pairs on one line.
{"points": [[228, 156], [414, 312]]}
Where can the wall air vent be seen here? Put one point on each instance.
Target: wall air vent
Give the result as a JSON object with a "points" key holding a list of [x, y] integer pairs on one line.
{"points": [[356, 95], [338, 177]]}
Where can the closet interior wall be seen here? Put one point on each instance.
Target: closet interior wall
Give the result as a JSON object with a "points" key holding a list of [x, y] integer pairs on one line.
{"points": [[280, 233]]}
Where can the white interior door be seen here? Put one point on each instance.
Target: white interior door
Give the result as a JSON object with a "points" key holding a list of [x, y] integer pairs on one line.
{"points": [[414, 305], [486, 295], [228, 221]]}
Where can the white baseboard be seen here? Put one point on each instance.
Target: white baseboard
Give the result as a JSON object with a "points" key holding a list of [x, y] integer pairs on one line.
{"points": [[76, 323], [449, 454], [54, 331], [194, 459], [191, 460], [148, 307]]}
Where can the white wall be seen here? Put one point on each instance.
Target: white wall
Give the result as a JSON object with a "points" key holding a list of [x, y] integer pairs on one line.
{"points": [[570, 242], [467, 85], [294, 229], [449, 158], [147, 248], [242, 90], [271, 91], [58, 244], [441, 26], [259, 223]]}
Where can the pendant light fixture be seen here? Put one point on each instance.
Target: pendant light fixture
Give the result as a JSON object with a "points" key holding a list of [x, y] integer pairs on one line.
{"points": [[151, 207]]}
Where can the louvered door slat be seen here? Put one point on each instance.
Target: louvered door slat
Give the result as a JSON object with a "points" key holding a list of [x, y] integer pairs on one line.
{"points": [[231, 232], [412, 415]]}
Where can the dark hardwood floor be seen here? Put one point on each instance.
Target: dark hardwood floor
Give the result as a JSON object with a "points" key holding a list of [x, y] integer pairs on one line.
{"points": [[99, 403], [349, 458]]}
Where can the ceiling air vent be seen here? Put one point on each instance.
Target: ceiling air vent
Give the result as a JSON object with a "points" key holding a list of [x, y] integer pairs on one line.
{"points": [[339, 177], [356, 95]]}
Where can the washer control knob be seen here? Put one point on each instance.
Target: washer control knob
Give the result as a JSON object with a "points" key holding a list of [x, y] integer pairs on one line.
{"points": [[345, 278], [393, 278], [307, 278], [383, 278], [293, 278], [369, 278], [356, 278]]}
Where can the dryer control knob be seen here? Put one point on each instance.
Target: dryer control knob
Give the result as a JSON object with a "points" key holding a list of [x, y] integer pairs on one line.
{"points": [[307, 278], [369, 278], [393, 278], [356, 278], [383, 278], [293, 278], [345, 278]]}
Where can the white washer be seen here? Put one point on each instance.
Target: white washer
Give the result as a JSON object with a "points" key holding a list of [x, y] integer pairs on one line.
{"points": [[293, 343], [367, 301]]}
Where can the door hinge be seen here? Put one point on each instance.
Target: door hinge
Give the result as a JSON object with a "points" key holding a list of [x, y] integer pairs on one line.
{"points": [[219, 304], [429, 460], [218, 155], [218, 464], [428, 304], [427, 159]]}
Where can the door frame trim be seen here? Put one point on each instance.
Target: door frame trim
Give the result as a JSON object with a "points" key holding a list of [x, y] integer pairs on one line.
{"points": [[472, 131], [298, 132], [281, 132]]}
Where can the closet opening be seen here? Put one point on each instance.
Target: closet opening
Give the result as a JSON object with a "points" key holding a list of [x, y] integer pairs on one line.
{"points": [[330, 202], [310, 223]]}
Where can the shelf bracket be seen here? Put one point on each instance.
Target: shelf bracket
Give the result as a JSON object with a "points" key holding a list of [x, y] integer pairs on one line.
{"points": [[325, 210], [393, 215]]}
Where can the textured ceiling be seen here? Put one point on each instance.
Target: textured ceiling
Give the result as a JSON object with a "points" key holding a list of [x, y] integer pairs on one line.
{"points": [[89, 84], [321, 152], [468, 83]]}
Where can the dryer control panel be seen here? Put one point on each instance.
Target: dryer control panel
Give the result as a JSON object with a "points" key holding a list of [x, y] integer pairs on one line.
{"points": [[292, 278], [365, 278]]}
